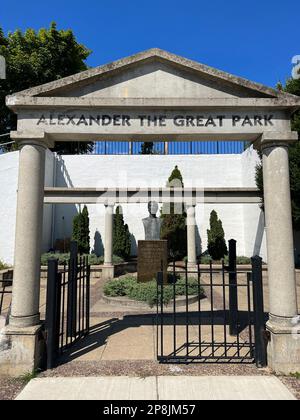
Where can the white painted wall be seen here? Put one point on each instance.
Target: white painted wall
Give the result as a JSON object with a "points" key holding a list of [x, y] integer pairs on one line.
{"points": [[9, 164], [8, 200], [241, 221]]}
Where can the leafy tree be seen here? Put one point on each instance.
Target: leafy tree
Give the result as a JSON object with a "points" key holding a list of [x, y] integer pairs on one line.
{"points": [[173, 216], [292, 86], [147, 148], [34, 58], [216, 238], [81, 231], [121, 236]]}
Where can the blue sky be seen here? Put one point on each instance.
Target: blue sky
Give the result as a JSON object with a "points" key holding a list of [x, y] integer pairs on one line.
{"points": [[253, 39]]}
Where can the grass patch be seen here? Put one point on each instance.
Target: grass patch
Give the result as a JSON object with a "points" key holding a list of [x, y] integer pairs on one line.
{"points": [[296, 375], [147, 292], [64, 258], [29, 376]]}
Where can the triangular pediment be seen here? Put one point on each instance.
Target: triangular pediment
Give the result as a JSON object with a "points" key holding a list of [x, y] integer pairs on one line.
{"points": [[153, 74]]}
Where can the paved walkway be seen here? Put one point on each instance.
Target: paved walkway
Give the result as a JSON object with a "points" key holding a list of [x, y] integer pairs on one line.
{"points": [[157, 388]]}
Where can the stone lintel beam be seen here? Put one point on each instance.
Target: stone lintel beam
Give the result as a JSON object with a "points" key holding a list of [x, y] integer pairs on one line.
{"points": [[275, 139]]}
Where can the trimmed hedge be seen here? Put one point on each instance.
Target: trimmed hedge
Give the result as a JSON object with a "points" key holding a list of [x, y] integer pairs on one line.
{"points": [[147, 292], [206, 259], [64, 258]]}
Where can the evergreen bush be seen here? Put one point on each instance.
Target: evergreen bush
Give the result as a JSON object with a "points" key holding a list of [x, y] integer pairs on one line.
{"points": [[121, 236], [173, 217], [217, 247], [3, 266], [81, 231]]}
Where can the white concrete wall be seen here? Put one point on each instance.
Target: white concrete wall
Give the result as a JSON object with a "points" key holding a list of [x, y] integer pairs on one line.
{"points": [[254, 223], [241, 222], [9, 164], [8, 199]]}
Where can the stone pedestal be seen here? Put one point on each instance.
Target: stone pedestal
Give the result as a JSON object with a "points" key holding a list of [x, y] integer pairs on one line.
{"points": [[284, 345], [22, 350], [152, 258], [108, 272]]}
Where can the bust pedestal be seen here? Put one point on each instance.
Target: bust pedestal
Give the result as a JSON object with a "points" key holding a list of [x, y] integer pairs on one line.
{"points": [[152, 258]]}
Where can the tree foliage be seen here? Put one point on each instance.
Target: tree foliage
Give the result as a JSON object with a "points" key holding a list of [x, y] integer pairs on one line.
{"points": [[81, 231], [147, 148], [121, 236], [34, 58], [292, 86], [217, 248], [173, 216]]}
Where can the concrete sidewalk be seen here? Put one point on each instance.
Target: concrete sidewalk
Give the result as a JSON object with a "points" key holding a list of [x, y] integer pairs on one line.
{"points": [[157, 388]]}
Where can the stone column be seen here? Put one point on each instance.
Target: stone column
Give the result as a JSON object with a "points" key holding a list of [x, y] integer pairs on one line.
{"points": [[28, 239], [108, 268], [284, 347], [24, 350], [191, 236]]}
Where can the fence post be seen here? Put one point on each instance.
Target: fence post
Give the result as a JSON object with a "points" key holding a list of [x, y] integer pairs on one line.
{"points": [[72, 291], [233, 290], [88, 297], [52, 313], [259, 314]]}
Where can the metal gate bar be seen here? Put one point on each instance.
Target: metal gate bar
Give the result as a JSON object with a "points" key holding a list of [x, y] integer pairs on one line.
{"points": [[5, 289], [68, 304], [213, 326]]}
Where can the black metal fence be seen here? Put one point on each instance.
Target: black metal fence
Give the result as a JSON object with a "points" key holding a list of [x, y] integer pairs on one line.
{"points": [[68, 304], [216, 314], [5, 295]]}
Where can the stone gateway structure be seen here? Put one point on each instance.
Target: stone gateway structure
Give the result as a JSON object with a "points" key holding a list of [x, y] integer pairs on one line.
{"points": [[150, 96]]}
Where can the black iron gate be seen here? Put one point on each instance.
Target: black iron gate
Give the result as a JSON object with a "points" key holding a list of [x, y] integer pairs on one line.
{"points": [[5, 292], [68, 304], [215, 314]]}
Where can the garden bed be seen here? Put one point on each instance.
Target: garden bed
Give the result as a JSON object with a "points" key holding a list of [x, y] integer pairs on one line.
{"points": [[135, 304], [127, 291]]}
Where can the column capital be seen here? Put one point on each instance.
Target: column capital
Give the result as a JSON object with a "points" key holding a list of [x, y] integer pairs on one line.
{"points": [[277, 139], [36, 138]]}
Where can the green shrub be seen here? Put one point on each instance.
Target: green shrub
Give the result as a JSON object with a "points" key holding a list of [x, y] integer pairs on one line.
{"points": [[192, 286], [3, 266], [206, 259], [239, 260], [64, 258], [216, 238], [173, 228], [81, 231], [147, 292], [119, 287], [121, 236]]}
